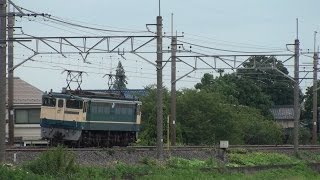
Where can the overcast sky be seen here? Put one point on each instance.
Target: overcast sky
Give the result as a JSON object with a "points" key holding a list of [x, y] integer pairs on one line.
{"points": [[247, 25]]}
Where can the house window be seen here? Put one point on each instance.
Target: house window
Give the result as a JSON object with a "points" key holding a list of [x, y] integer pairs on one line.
{"points": [[27, 116]]}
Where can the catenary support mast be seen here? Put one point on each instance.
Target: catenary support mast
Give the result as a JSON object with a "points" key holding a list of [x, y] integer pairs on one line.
{"points": [[10, 81], [3, 54], [159, 90], [315, 93], [296, 97], [173, 90]]}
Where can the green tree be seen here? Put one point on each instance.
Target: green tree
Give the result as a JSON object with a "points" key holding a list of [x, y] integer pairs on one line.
{"points": [[217, 110], [306, 114], [206, 117], [238, 90], [203, 117], [120, 79], [206, 80], [220, 71], [271, 81], [149, 116]]}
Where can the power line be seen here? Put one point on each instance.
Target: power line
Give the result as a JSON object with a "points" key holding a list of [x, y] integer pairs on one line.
{"points": [[83, 26], [46, 24], [90, 23]]}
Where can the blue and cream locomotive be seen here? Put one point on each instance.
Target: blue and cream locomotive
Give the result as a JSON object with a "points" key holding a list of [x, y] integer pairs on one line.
{"points": [[89, 119]]}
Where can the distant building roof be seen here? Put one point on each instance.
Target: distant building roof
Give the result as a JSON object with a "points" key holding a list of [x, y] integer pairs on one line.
{"points": [[283, 112], [24, 93]]}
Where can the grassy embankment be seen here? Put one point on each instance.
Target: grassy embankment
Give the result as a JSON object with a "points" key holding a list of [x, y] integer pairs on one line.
{"points": [[59, 164]]}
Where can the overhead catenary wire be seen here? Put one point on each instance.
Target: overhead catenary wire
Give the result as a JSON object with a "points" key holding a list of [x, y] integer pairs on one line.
{"points": [[234, 44], [266, 73], [94, 64], [60, 65], [92, 72], [55, 68]]}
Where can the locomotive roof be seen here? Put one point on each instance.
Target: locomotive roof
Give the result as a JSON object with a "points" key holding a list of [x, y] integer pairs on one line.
{"points": [[90, 95]]}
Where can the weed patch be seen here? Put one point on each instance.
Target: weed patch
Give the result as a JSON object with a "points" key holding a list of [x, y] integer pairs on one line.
{"points": [[259, 158], [56, 162]]}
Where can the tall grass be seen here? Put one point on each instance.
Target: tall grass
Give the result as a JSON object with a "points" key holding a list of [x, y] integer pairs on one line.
{"points": [[13, 173], [56, 162]]}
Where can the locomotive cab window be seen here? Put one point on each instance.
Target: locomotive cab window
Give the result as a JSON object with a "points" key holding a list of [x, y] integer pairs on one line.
{"points": [[74, 104], [49, 102], [60, 103]]}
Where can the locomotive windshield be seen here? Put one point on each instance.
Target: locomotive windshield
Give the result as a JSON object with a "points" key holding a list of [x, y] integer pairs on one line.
{"points": [[49, 102], [74, 104]]}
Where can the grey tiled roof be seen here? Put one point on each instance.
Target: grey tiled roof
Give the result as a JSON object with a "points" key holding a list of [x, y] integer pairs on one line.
{"points": [[25, 93], [283, 112]]}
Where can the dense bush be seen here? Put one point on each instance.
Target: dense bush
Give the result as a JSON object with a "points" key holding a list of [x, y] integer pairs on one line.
{"points": [[304, 136]]}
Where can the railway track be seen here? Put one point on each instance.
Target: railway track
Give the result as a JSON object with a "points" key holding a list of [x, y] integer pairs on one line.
{"points": [[173, 148]]}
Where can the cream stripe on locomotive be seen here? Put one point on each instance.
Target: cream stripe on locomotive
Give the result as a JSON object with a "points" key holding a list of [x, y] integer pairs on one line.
{"points": [[112, 122]]}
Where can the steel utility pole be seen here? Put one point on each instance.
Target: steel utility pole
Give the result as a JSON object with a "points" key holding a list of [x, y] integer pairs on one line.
{"points": [[315, 99], [296, 96], [10, 80], [3, 54], [173, 89], [159, 90], [315, 93]]}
